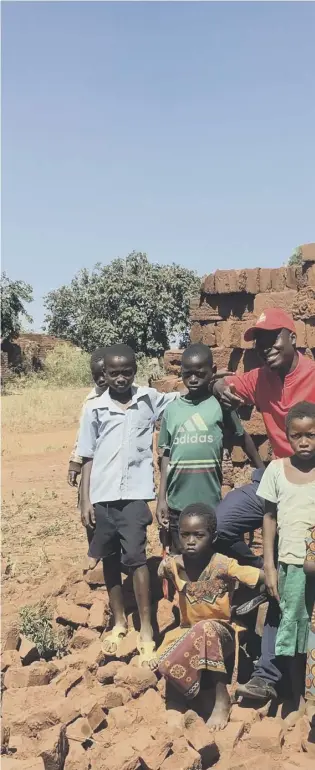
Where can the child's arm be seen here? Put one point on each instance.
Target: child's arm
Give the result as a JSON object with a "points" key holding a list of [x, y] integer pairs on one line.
{"points": [[166, 567], [75, 464], [248, 445], [162, 507], [269, 536], [88, 434], [164, 445], [87, 510]]}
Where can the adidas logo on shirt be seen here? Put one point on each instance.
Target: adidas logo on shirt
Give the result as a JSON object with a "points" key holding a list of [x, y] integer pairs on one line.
{"points": [[194, 431]]}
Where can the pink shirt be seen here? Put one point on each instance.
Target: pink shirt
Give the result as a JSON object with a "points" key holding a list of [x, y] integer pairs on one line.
{"points": [[274, 398]]}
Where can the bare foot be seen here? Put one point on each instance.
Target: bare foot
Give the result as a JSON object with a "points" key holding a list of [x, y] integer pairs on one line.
{"points": [[90, 564], [310, 711], [219, 717]]}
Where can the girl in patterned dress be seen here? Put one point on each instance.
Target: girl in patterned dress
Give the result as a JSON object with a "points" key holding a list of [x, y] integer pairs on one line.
{"points": [[309, 569], [206, 638]]}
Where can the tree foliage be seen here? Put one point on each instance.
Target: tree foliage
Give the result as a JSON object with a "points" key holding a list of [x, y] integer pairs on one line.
{"points": [[296, 257], [130, 300], [13, 296]]}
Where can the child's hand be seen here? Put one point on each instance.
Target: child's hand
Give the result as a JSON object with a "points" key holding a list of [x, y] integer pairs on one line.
{"points": [[72, 478], [87, 514], [162, 514], [166, 569], [271, 582]]}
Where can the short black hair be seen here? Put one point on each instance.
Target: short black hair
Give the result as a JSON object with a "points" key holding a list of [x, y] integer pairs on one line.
{"points": [[121, 351], [298, 412], [199, 350], [97, 356], [204, 511]]}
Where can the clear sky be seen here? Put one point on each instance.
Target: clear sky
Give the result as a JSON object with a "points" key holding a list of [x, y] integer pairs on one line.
{"points": [[186, 130]]}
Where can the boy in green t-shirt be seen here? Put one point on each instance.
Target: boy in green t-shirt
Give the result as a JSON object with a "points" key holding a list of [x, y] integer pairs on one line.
{"points": [[191, 438]]}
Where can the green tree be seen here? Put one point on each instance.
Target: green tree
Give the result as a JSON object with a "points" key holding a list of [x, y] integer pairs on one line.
{"points": [[129, 300], [296, 257], [13, 296]]}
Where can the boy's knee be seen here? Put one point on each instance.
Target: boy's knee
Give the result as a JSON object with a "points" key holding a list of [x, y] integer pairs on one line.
{"points": [[134, 559]]}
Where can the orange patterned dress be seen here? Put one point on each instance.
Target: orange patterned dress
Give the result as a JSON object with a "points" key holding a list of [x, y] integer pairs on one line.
{"points": [[206, 636]]}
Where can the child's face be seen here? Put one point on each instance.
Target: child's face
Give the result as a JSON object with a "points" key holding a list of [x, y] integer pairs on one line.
{"points": [[120, 374], [197, 375], [301, 436], [98, 374], [194, 536]]}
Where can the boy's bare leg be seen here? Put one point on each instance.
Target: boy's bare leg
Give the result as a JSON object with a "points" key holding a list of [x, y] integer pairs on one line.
{"points": [[222, 703], [141, 587], [112, 577]]}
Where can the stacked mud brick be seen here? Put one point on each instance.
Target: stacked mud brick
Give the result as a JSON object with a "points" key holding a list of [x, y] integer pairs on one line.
{"points": [[26, 352], [230, 301]]}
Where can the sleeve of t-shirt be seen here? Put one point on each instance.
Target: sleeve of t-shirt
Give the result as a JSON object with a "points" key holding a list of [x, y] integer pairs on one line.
{"points": [[232, 423], [88, 433], [244, 385], [268, 487], [164, 435], [247, 575]]}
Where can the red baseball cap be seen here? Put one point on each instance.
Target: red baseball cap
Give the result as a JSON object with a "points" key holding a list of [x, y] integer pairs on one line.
{"points": [[272, 318]]}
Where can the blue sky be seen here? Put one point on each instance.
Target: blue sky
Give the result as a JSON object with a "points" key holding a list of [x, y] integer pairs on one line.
{"points": [[185, 130]]}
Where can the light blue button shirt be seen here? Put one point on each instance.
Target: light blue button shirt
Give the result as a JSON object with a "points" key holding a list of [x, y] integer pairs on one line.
{"points": [[120, 443]]}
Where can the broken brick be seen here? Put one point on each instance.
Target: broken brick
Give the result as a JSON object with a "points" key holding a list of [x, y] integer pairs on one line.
{"points": [[21, 746], [96, 717], [228, 738], [79, 730], [33, 763], [267, 735], [207, 284], [10, 658], [243, 714], [71, 614], [308, 252], [28, 651], [141, 739], [54, 747], [202, 740], [122, 717], [208, 335], [105, 674], [66, 681], [35, 675], [137, 680], [196, 333], [183, 757], [99, 615], [82, 638], [77, 758], [80, 593], [152, 757], [11, 637], [95, 577]]}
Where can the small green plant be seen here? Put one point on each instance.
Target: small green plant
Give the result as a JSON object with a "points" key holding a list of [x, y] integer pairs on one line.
{"points": [[67, 366], [296, 257], [36, 625]]}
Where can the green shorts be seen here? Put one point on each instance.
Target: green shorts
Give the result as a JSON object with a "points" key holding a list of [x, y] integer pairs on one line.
{"points": [[296, 602]]}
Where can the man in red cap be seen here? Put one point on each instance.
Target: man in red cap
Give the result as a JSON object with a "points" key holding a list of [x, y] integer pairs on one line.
{"points": [[285, 378]]}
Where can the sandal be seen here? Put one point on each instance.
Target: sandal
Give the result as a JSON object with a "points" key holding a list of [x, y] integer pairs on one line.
{"points": [[147, 654], [113, 638]]}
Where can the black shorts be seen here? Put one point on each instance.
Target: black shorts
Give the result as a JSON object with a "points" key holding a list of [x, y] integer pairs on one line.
{"points": [[173, 530], [121, 529]]}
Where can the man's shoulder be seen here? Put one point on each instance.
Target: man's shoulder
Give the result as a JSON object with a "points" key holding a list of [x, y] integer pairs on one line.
{"points": [[306, 364]]}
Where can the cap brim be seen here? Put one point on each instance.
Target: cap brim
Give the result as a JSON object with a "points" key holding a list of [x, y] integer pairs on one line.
{"points": [[249, 335]]}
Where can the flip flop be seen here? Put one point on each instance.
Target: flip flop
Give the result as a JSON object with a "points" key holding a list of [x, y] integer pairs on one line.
{"points": [[114, 637], [147, 654]]}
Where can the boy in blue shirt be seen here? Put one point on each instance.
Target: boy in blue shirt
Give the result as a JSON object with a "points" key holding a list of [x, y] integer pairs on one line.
{"points": [[115, 443]]}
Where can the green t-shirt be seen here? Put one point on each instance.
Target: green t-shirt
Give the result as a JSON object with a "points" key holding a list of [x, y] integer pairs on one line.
{"points": [[193, 434]]}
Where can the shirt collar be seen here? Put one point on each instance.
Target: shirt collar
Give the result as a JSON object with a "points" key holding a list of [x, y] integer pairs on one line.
{"points": [[106, 402]]}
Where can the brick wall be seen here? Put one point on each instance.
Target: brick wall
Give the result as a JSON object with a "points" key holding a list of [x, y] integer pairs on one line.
{"points": [[28, 350], [230, 301]]}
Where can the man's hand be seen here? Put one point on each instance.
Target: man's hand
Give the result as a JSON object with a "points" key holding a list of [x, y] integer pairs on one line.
{"points": [[72, 478], [162, 514], [87, 514], [226, 395], [271, 582], [166, 569]]}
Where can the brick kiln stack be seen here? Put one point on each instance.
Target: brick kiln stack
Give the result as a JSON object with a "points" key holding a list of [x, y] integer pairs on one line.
{"points": [[230, 301]]}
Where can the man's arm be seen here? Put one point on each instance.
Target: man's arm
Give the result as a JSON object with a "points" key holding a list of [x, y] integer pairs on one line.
{"points": [[237, 390], [269, 536]]}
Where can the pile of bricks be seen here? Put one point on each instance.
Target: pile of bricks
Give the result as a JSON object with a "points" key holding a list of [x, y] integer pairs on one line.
{"points": [[230, 301], [27, 352]]}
